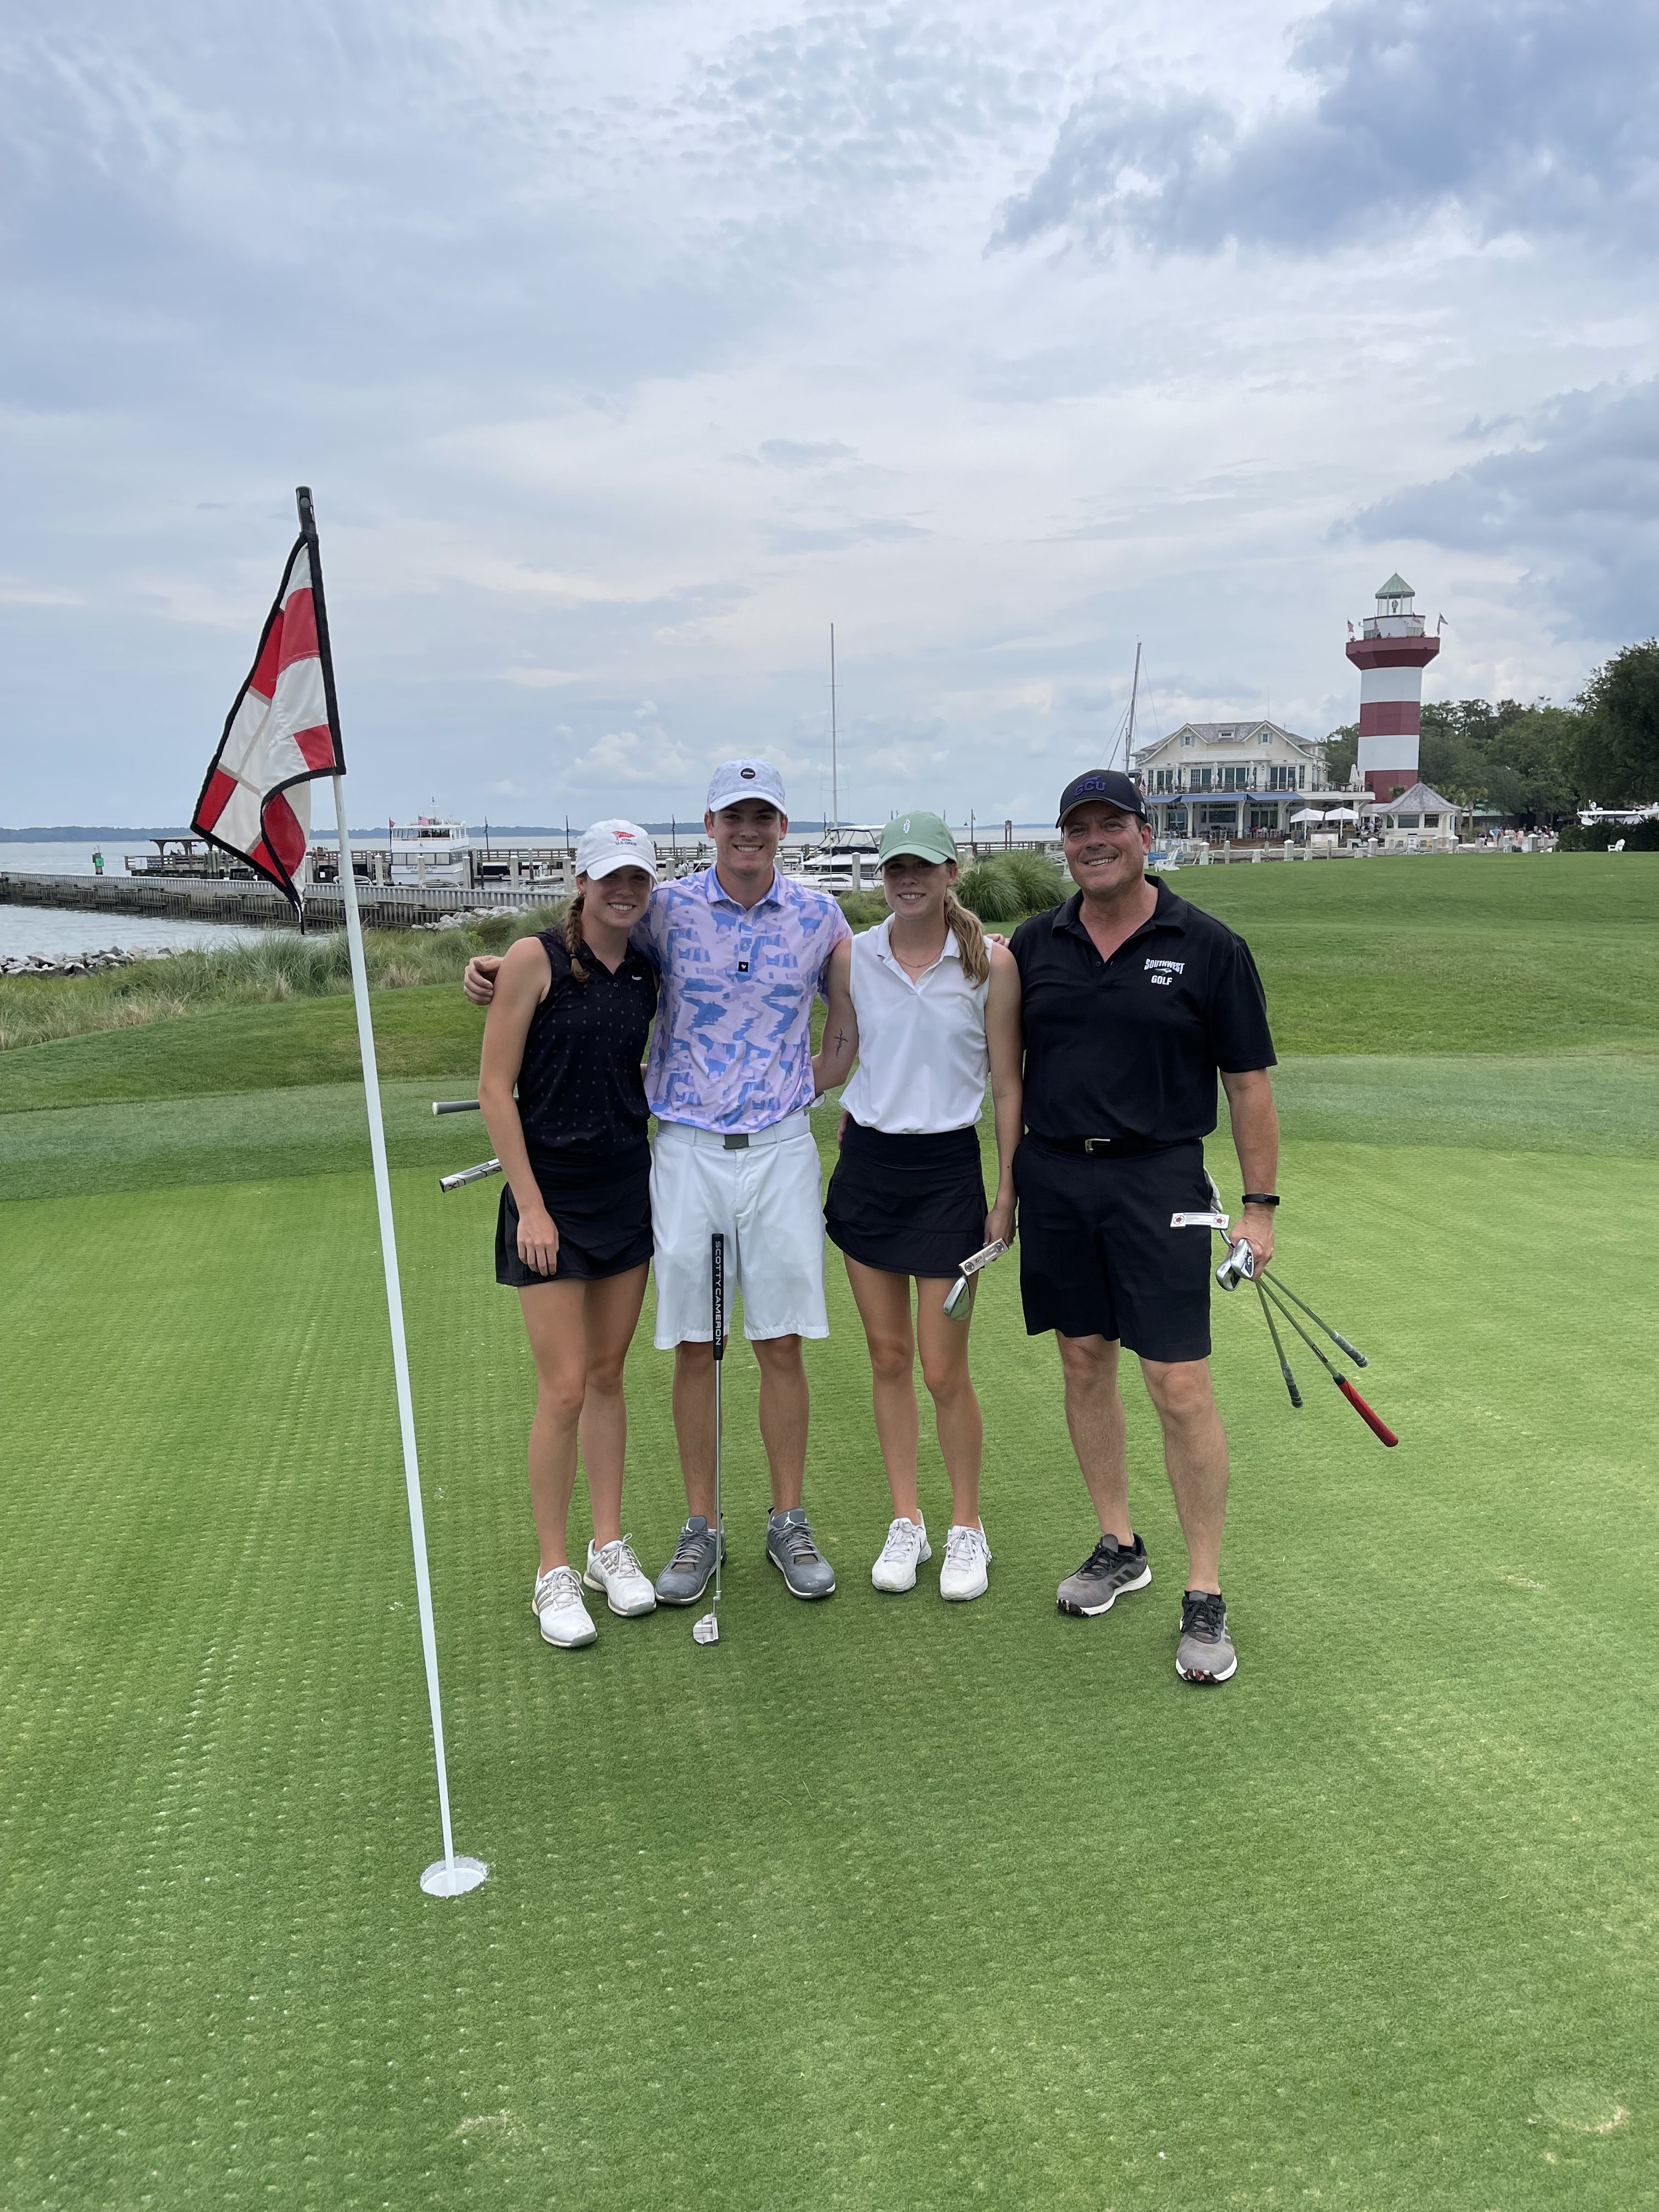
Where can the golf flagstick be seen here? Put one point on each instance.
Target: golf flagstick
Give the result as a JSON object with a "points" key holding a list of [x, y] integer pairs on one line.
{"points": [[451, 1875], [708, 1629]]}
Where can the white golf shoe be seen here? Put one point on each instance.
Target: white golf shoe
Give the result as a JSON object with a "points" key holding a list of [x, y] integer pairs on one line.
{"points": [[556, 1602], [967, 1556], [906, 1547], [615, 1570]]}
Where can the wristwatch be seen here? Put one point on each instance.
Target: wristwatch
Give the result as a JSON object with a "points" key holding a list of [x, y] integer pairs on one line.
{"points": [[1261, 1198]]}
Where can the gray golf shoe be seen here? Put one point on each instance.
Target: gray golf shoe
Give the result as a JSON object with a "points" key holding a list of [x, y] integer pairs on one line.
{"points": [[1110, 1572], [691, 1570], [793, 1551], [1205, 1653]]}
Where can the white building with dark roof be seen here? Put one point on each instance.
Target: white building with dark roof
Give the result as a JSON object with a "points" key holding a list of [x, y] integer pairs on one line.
{"points": [[1229, 781]]}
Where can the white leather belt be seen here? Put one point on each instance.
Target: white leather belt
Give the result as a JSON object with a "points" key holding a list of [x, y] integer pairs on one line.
{"points": [[741, 1140]]}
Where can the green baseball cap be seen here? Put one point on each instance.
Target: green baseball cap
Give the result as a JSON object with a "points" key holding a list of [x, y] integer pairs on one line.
{"points": [[920, 836]]}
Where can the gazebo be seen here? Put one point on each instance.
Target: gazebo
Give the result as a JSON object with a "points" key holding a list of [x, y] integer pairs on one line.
{"points": [[1417, 819]]}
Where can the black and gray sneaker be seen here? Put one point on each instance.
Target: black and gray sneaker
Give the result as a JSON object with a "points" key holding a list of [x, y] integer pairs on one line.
{"points": [[1205, 1653], [1110, 1571], [691, 1570], [791, 1547]]}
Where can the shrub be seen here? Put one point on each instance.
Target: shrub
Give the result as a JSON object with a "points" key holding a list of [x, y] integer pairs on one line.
{"points": [[987, 890]]}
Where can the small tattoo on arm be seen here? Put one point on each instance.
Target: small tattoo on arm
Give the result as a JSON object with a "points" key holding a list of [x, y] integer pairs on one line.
{"points": [[841, 1040]]}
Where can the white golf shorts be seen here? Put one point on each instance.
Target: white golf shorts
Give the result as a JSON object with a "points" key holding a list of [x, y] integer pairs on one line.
{"points": [[765, 1198]]}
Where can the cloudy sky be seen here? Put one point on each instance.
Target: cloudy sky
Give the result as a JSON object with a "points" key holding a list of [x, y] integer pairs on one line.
{"points": [[628, 346]]}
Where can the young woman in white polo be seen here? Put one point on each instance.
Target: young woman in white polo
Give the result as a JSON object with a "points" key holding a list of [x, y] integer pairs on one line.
{"points": [[567, 1031], [931, 1011]]}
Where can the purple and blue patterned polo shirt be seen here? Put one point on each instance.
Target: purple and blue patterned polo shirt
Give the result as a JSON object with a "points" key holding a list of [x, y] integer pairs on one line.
{"points": [[732, 1048]]}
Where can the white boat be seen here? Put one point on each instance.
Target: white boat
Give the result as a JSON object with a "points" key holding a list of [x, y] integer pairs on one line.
{"points": [[433, 848], [848, 859]]}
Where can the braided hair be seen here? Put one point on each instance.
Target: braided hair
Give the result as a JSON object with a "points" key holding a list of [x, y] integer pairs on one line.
{"points": [[572, 937]]}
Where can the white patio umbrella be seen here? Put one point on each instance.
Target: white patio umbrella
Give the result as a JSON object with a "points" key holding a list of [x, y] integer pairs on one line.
{"points": [[1342, 814], [1308, 814]]}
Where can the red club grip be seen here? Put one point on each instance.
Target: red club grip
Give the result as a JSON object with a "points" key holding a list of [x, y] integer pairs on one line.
{"points": [[1373, 1422]]}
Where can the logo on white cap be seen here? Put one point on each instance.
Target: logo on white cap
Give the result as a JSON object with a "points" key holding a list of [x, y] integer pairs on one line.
{"points": [[747, 774]]}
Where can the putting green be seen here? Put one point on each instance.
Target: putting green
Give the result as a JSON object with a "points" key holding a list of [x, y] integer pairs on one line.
{"points": [[880, 1903]]}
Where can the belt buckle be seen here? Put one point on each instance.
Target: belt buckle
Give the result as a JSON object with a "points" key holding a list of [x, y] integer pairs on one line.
{"points": [[1092, 1145], [736, 1144]]}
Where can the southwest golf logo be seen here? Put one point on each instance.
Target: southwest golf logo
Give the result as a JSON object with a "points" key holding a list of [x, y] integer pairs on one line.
{"points": [[1165, 971]]}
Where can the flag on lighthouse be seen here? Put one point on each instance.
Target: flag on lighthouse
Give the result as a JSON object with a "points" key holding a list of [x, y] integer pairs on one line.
{"points": [[281, 732]]}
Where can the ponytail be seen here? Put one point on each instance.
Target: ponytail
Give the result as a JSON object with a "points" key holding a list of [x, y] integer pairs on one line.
{"points": [[970, 939], [572, 937]]}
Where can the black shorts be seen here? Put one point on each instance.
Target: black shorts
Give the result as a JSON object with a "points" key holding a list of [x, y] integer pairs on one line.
{"points": [[601, 1209], [1097, 1256], [910, 1205]]}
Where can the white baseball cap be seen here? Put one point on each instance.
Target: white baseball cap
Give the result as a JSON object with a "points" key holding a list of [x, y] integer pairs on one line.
{"points": [[604, 846], [733, 781]]}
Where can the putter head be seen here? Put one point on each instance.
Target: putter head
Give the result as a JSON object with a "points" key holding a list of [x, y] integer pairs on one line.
{"points": [[707, 1630], [958, 1304], [1238, 1266]]}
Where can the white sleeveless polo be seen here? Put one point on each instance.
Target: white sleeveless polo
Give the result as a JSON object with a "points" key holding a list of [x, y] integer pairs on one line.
{"points": [[923, 1062]]}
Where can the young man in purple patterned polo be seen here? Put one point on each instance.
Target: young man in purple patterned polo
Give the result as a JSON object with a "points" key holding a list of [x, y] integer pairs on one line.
{"points": [[743, 952]]}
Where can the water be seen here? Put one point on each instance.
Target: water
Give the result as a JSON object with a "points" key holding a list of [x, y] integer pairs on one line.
{"points": [[55, 932]]}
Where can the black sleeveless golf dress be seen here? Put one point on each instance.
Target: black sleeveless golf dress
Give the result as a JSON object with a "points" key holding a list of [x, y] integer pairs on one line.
{"points": [[582, 1103]]}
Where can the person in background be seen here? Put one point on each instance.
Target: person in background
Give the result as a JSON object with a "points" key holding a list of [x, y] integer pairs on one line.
{"points": [[931, 1012], [568, 1020]]}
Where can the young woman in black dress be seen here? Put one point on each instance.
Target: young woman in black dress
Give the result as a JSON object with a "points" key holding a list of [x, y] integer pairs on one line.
{"points": [[568, 1026]]}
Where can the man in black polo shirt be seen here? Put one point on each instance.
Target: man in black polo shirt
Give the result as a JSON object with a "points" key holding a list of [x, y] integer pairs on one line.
{"points": [[1133, 1002]]}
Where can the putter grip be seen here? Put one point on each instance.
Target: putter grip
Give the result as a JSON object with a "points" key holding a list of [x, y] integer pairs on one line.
{"points": [[1373, 1422], [717, 1282], [1296, 1394]]}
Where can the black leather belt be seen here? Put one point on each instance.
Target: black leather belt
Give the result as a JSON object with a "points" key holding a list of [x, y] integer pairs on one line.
{"points": [[1102, 1147]]}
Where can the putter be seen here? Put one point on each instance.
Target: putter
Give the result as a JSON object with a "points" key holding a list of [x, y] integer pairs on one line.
{"points": [[1284, 1364], [455, 1106], [958, 1299], [708, 1629], [1334, 1335], [469, 1175], [1374, 1421]]}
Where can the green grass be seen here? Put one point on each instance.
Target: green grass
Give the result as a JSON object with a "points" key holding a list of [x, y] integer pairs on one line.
{"points": [[1467, 953], [883, 1903]]}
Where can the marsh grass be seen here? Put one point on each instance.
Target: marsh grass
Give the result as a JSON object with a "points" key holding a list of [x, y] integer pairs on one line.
{"points": [[281, 965]]}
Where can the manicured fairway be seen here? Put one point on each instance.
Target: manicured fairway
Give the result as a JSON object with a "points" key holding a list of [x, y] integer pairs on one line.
{"points": [[880, 1903]]}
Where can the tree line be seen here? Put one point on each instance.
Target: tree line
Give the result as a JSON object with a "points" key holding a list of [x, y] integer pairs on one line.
{"points": [[1541, 763]]}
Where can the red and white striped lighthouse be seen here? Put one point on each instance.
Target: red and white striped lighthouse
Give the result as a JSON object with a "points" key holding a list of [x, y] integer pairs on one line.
{"points": [[1391, 655]]}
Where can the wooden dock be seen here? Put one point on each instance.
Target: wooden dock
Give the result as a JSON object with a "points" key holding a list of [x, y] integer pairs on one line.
{"points": [[182, 898]]}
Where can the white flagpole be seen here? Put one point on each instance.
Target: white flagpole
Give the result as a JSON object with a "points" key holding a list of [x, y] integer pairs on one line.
{"points": [[453, 1875], [449, 1876]]}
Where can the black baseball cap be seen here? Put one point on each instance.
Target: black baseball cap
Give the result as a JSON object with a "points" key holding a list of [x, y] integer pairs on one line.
{"points": [[1108, 784]]}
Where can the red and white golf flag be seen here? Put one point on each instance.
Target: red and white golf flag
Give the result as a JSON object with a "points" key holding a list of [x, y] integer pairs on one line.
{"points": [[281, 732]]}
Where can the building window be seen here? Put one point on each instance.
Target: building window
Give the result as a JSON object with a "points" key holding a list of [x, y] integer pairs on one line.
{"points": [[1264, 735], [1302, 778], [1234, 778], [1199, 779], [1186, 737], [1164, 779], [1263, 819], [1406, 821], [1177, 824], [1280, 776], [1431, 821]]}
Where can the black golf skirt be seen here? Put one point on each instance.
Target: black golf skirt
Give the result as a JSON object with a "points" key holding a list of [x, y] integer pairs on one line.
{"points": [[910, 1205], [601, 1207]]}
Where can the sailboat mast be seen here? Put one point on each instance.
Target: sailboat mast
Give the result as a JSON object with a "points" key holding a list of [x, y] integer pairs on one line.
{"points": [[835, 746], [1129, 733]]}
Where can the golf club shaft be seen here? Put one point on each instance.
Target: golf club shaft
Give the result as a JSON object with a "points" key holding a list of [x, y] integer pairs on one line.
{"points": [[1372, 1419], [469, 1175], [717, 1272], [1273, 1331], [456, 1106], [1334, 1335]]}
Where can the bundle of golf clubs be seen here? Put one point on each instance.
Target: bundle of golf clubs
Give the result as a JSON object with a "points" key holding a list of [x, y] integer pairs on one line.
{"points": [[1239, 1266]]}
